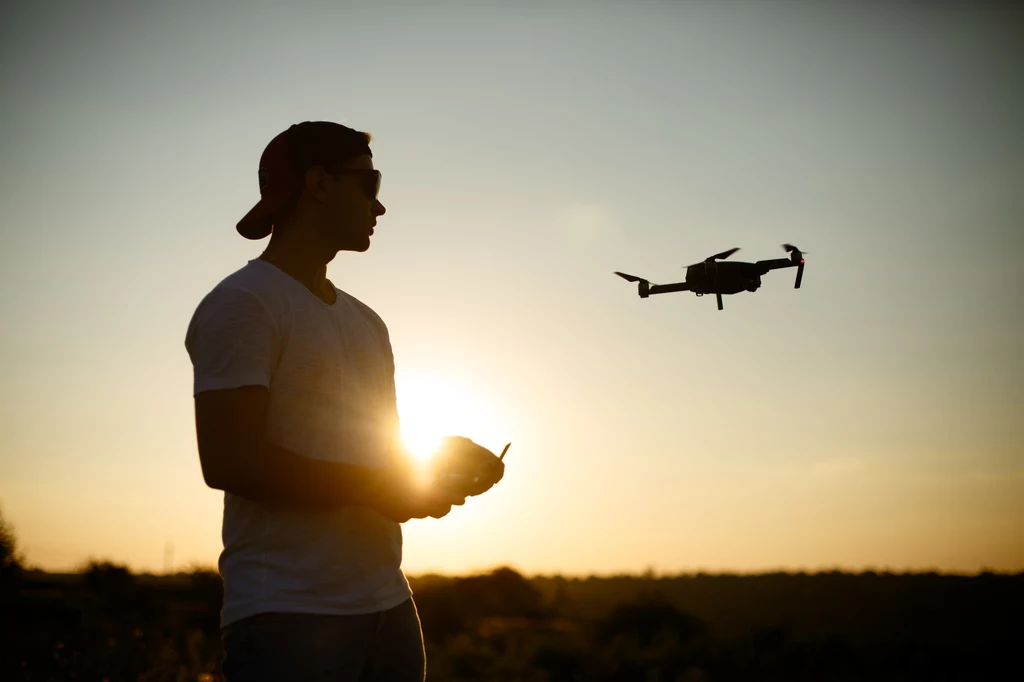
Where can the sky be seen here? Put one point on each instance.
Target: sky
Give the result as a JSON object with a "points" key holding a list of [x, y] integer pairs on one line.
{"points": [[871, 419]]}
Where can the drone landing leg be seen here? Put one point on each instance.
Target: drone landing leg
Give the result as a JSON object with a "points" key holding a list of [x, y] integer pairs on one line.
{"points": [[719, 297]]}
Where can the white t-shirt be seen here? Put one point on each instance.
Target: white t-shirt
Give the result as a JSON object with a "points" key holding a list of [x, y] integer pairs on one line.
{"points": [[331, 375]]}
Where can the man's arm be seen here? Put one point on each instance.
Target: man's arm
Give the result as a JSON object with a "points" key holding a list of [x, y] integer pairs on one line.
{"points": [[237, 457]]}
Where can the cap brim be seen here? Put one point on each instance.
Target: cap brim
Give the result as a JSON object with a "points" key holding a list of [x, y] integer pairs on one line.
{"points": [[257, 223]]}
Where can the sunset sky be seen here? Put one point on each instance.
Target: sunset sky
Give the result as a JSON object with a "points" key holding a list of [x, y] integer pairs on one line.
{"points": [[872, 419]]}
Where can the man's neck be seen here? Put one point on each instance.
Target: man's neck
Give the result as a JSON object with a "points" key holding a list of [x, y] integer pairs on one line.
{"points": [[302, 266]]}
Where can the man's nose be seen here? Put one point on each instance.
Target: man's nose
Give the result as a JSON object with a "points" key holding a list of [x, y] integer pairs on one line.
{"points": [[378, 208]]}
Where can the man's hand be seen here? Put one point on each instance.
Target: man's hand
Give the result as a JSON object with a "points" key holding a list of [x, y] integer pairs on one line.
{"points": [[400, 497], [463, 467]]}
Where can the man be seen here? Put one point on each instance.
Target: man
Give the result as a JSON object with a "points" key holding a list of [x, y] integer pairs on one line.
{"points": [[296, 421]]}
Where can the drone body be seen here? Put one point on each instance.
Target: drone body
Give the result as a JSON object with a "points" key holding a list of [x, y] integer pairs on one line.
{"points": [[712, 277]]}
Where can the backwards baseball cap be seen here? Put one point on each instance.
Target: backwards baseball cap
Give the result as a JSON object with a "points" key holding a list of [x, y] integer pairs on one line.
{"points": [[284, 164]]}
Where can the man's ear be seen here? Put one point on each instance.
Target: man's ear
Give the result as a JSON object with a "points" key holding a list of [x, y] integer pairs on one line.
{"points": [[316, 182]]}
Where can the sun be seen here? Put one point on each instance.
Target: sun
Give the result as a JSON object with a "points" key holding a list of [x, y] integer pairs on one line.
{"points": [[430, 408]]}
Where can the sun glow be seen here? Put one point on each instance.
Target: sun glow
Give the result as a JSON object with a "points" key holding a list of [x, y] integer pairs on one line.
{"points": [[431, 408]]}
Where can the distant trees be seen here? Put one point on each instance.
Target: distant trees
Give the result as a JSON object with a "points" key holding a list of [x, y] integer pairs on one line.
{"points": [[106, 623], [451, 607], [646, 622], [111, 585], [10, 559]]}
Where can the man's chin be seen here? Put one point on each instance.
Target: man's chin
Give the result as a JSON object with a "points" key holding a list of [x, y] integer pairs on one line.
{"points": [[357, 245]]}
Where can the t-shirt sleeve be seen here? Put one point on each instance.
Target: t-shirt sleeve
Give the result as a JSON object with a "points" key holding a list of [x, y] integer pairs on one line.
{"points": [[232, 340]]}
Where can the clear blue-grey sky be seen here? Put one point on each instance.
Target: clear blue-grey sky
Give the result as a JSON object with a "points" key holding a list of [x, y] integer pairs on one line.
{"points": [[872, 418]]}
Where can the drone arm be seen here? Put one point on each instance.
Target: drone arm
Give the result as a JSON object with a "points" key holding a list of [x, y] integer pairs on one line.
{"points": [[667, 288], [775, 264]]}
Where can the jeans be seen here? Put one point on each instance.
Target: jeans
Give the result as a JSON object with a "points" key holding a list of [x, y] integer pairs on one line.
{"points": [[302, 647]]}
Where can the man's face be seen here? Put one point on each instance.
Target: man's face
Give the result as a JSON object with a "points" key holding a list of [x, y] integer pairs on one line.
{"points": [[352, 206]]}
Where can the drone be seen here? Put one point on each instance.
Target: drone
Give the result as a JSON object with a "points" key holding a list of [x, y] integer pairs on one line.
{"points": [[712, 277]]}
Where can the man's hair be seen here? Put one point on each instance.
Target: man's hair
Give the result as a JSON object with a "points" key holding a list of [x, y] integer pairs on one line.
{"points": [[327, 144], [320, 143]]}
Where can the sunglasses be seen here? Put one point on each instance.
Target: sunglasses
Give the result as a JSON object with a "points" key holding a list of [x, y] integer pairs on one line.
{"points": [[369, 179]]}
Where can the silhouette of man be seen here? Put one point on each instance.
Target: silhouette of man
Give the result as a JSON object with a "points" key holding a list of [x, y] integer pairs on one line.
{"points": [[296, 421]]}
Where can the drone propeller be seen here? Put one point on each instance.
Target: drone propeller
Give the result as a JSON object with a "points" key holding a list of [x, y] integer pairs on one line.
{"points": [[643, 285], [717, 256], [723, 255], [792, 250], [630, 278]]}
